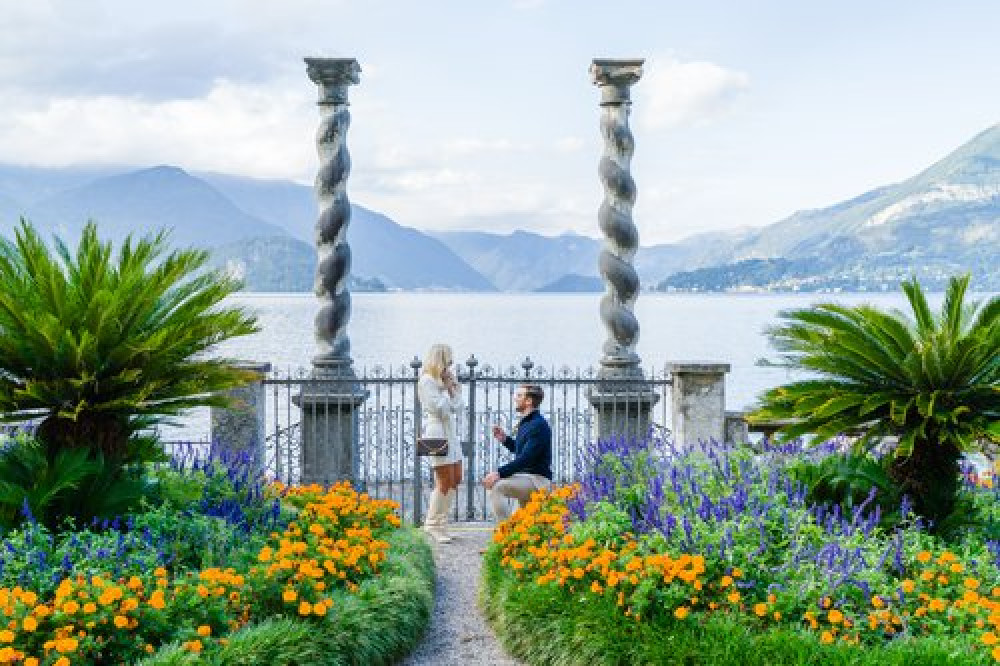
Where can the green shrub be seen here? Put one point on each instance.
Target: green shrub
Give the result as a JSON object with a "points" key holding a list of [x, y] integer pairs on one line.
{"points": [[930, 381], [100, 345]]}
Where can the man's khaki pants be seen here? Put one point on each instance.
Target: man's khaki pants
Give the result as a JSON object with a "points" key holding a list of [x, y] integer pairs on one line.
{"points": [[517, 486]]}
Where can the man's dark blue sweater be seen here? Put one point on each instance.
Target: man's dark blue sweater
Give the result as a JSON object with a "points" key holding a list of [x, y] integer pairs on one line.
{"points": [[532, 447]]}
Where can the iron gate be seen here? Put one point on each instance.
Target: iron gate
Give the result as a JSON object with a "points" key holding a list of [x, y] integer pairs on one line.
{"points": [[388, 419]]}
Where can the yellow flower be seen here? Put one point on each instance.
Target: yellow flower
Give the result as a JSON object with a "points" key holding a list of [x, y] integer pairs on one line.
{"points": [[204, 630], [923, 556], [155, 600], [681, 612], [305, 608], [121, 621], [66, 645], [29, 624], [826, 638], [835, 616], [760, 609], [989, 638]]}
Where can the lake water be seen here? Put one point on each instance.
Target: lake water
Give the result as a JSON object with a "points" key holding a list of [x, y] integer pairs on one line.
{"points": [[555, 330]]}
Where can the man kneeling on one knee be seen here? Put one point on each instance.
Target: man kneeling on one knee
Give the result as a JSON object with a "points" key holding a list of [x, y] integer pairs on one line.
{"points": [[531, 444]]}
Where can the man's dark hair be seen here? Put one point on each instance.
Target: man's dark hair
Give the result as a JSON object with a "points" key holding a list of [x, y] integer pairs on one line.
{"points": [[534, 393]]}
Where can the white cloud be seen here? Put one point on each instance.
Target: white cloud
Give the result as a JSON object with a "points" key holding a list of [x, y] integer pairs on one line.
{"points": [[687, 93], [238, 128], [475, 146], [570, 144]]}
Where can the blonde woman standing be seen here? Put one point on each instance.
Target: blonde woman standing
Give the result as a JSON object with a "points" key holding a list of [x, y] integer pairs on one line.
{"points": [[440, 399]]}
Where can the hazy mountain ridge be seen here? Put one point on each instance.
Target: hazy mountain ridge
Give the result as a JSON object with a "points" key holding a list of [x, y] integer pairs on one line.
{"points": [[256, 228], [943, 221]]}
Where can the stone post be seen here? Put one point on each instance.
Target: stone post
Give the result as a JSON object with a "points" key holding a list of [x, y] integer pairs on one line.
{"points": [[331, 402], [622, 402], [737, 429], [699, 401], [240, 428]]}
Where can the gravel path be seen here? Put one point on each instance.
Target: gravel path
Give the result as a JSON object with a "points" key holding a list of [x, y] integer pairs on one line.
{"points": [[458, 633]]}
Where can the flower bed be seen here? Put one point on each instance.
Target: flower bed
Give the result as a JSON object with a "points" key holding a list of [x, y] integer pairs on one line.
{"points": [[712, 555], [341, 554]]}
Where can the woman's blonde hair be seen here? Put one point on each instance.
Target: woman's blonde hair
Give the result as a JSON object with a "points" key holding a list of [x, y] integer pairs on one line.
{"points": [[438, 358]]}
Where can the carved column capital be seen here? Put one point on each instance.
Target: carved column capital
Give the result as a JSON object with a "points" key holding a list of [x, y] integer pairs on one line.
{"points": [[333, 75], [615, 77]]}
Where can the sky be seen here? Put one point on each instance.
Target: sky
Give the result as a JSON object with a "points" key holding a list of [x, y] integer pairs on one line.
{"points": [[480, 115]]}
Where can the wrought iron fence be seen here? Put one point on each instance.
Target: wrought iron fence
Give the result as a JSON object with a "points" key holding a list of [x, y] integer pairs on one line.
{"points": [[386, 421]]}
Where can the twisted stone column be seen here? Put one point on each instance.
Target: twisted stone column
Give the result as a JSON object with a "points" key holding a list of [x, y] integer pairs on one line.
{"points": [[623, 402], [333, 76], [614, 77], [332, 400]]}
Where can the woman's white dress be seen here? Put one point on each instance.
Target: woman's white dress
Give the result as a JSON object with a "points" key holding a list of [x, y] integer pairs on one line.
{"points": [[438, 419]]}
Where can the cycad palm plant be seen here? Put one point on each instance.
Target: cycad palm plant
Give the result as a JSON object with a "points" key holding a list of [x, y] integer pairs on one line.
{"points": [[932, 381], [100, 345]]}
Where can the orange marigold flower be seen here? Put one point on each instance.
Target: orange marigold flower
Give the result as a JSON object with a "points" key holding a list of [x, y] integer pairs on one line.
{"points": [[989, 638], [681, 612], [760, 609], [923, 556], [204, 630]]}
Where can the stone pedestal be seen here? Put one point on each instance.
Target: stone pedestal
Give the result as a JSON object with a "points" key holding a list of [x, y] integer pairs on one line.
{"points": [[330, 440], [241, 428], [699, 401], [737, 429], [623, 410]]}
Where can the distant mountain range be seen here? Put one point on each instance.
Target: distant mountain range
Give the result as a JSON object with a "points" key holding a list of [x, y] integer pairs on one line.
{"points": [[942, 221]]}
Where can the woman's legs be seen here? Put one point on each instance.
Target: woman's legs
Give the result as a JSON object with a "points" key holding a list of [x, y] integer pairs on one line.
{"points": [[436, 521]]}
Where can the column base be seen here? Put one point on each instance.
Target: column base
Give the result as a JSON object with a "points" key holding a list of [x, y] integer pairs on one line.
{"points": [[330, 406], [623, 409]]}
